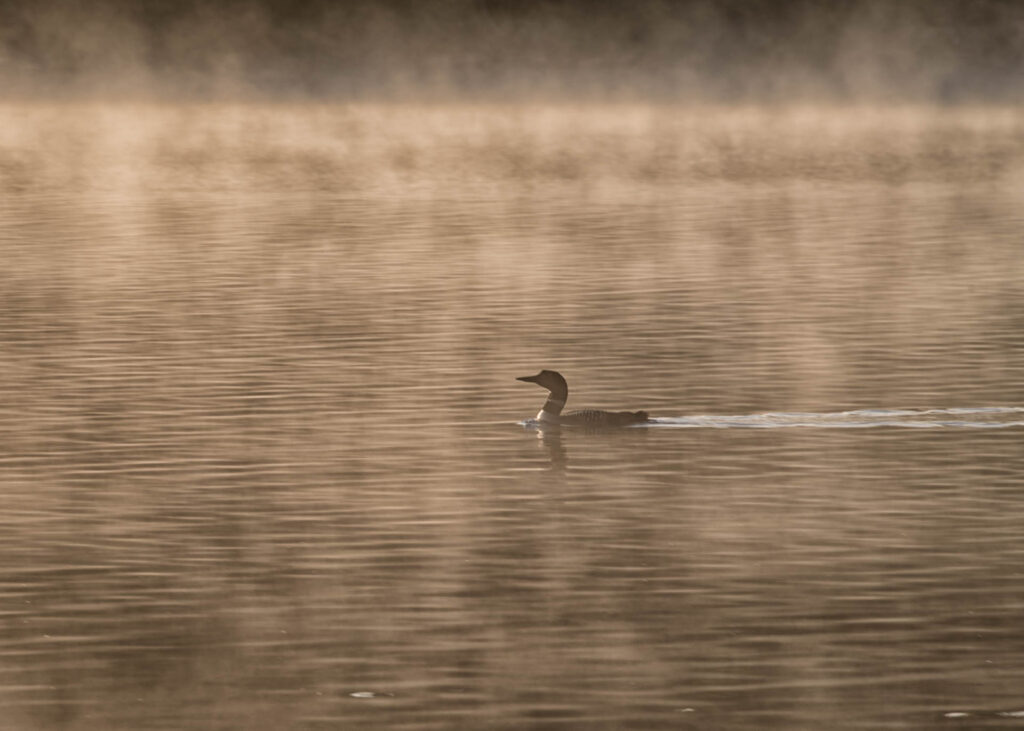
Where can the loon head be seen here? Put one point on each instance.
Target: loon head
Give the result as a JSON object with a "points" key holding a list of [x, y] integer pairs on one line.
{"points": [[551, 380]]}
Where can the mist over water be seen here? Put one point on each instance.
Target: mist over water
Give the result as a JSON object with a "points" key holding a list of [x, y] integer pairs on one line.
{"points": [[268, 273], [474, 150]]}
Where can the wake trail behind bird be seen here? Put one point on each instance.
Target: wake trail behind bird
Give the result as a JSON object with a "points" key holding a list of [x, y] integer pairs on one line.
{"points": [[984, 417]]}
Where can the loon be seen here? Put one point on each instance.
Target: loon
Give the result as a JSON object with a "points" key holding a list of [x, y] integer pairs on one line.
{"points": [[551, 414]]}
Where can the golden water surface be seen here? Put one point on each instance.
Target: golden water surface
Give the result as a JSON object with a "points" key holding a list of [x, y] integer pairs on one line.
{"points": [[263, 462]]}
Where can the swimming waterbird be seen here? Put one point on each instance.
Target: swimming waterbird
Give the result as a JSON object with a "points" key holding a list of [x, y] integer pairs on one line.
{"points": [[551, 413]]}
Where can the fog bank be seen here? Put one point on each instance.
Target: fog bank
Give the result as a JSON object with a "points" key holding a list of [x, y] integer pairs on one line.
{"points": [[932, 51]]}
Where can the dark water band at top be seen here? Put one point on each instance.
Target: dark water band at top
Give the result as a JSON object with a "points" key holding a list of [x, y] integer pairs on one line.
{"points": [[983, 417]]}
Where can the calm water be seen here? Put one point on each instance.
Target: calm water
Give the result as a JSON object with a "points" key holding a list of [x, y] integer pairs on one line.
{"points": [[263, 459]]}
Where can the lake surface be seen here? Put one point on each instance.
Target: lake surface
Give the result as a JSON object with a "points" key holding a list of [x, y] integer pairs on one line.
{"points": [[264, 463]]}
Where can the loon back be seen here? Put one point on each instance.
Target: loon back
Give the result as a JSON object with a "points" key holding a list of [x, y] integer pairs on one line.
{"points": [[551, 412], [596, 417]]}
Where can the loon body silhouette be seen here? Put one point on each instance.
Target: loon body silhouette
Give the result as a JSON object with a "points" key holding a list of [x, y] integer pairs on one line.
{"points": [[551, 413]]}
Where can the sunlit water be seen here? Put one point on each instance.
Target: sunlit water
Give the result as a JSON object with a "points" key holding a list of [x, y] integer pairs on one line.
{"points": [[263, 456]]}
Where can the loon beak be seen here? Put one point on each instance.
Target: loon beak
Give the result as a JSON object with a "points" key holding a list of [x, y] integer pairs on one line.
{"points": [[528, 379]]}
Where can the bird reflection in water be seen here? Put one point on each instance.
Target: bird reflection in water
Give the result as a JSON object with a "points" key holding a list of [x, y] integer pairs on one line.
{"points": [[551, 438]]}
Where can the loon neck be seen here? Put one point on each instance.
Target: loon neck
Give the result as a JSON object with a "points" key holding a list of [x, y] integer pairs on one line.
{"points": [[553, 406], [556, 399]]}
